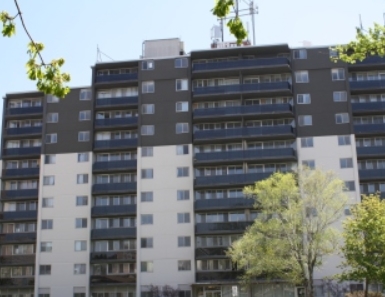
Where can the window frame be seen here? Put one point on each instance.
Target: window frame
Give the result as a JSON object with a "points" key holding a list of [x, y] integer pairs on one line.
{"points": [[146, 128], [148, 65], [344, 118], [85, 118], [302, 120], [300, 75], [86, 91], [52, 117], [52, 138], [183, 128], [148, 87], [145, 106], [304, 101], [335, 72], [183, 84], [84, 136], [300, 55], [181, 64]]}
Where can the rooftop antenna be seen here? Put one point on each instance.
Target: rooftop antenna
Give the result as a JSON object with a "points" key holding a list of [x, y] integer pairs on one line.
{"points": [[383, 16], [361, 27], [99, 54]]}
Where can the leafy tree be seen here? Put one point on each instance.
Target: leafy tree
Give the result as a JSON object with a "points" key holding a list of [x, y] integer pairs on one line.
{"points": [[222, 8], [367, 43], [364, 242], [293, 231], [48, 76]]}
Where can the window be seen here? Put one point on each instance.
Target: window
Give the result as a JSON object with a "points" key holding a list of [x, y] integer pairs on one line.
{"points": [[148, 65], [148, 108], [182, 149], [47, 202], [52, 99], [81, 200], [182, 172], [184, 265], [347, 211], [146, 266], [80, 223], [147, 173], [305, 120], [309, 163], [181, 106], [79, 268], [303, 99], [148, 130], [183, 195], [147, 151], [183, 217], [181, 63], [300, 54], [82, 179], [146, 196], [350, 186], [44, 292], [85, 115], [49, 159], [340, 96], [342, 118], [84, 136], [85, 94], [83, 157], [51, 138], [346, 163], [338, 74], [181, 128], [80, 292], [307, 142], [344, 140], [49, 180], [148, 87], [45, 269], [146, 219], [333, 53], [146, 242], [184, 241], [302, 76], [80, 245], [46, 224], [46, 246], [182, 84], [52, 117]]}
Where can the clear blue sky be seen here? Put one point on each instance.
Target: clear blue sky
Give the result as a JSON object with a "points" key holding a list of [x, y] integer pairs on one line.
{"points": [[72, 29]]}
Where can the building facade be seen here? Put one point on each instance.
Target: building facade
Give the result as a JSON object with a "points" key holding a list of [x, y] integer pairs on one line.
{"points": [[135, 182]]}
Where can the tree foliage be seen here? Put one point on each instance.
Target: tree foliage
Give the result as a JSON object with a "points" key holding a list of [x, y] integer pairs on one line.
{"points": [[367, 43], [364, 242], [293, 231], [222, 9], [48, 76]]}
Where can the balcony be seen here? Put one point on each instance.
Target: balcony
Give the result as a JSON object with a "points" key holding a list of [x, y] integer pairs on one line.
{"points": [[113, 188], [20, 172], [17, 260], [263, 88], [115, 144], [17, 283], [246, 155], [117, 122], [381, 194], [371, 174], [369, 107], [285, 131], [22, 151], [18, 215], [25, 110], [363, 86], [225, 203], [116, 280], [228, 180], [18, 237], [102, 257], [211, 252], [116, 77], [221, 228], [112, 210], [20, 194], [27, 131], [113, 233], [218, 276], [246, 110], [368, 129], [370, 151], [370, 63], [118, 101], [123, 165]]}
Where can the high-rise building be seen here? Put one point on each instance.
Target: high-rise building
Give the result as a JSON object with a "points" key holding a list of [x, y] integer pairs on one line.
{"points": [[135, 182]]}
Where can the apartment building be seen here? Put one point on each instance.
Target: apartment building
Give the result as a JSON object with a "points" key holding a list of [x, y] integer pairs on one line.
{"points": [[135, 182]]}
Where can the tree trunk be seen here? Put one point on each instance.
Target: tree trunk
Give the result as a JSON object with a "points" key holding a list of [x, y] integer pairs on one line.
{"points": [[366, 287], [310, 287]]}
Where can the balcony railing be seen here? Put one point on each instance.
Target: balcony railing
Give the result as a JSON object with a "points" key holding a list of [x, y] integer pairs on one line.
{"points": [[243, 88], [17, 237], [114, 188], [371, 174], [23, 131], [114, 165], [21, 172], [236, 64], [127, 256], [109, 210], [367, 84], [131, 121], [25, 110], [116, 77], [226, 276], [133, 100], [19, 215], [112, 233], [116, 143], [22, 151], [22, 194], [370, 151], [245, 132], [102, 280], [233, 179], [225, 203], [369, 60], [17, 282], [259, 154], [17, 260], [369, 129], [368, 107], [225, 227], [211, 252]]}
